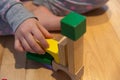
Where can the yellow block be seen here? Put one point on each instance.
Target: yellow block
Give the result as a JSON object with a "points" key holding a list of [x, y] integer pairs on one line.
{"points": [[53, 49]]}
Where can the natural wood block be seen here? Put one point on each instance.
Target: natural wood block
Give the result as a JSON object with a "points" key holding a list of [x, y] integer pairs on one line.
{"points": [[75, 54], [62, 51], [73, 76]]}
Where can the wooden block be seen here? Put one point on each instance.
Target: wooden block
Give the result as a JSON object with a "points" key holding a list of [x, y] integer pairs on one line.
{"points": [[75, 54], [73, 25], [42, 58], [76, 76], [53, 49], [62, 51]]}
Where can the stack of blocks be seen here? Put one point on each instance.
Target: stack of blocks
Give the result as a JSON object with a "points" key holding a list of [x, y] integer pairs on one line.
{"points": [[51, 53], [73, 26]]}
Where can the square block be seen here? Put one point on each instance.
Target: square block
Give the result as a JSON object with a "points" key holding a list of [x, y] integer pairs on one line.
{"points": [[73, 25]]}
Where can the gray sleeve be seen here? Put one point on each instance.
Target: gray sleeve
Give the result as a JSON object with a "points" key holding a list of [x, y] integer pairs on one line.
{"points": [[13, 12], [38, 2], [16, 15]]}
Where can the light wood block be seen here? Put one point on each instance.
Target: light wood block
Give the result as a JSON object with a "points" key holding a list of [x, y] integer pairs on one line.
{"points": [[62, 51], [75, 76], [71, 53], [75, 55]]}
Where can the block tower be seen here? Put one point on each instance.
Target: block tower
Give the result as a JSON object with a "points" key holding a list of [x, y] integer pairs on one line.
{"points": [[66, 54]]}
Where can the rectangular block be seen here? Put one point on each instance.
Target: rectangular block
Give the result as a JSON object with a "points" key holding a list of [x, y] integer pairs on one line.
{"points": [[62, 51], [42, 58], [75, 55]]}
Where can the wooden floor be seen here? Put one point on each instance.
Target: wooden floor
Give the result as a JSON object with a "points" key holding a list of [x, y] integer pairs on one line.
{"points": [[101, 51]]}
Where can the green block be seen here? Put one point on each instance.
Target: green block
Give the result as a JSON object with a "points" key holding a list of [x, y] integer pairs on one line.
{"points": [[73, 25], [42, 58]]}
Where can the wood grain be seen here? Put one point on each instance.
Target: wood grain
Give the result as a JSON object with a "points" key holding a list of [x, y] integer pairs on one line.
{"points": [[101, 49]]}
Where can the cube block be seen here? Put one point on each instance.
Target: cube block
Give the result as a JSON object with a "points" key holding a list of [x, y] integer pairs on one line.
{"points": [[73, 25]]}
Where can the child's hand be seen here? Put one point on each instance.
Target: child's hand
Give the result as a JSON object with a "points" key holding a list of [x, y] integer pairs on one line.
{"points": [[27, 34], [51, 24]]}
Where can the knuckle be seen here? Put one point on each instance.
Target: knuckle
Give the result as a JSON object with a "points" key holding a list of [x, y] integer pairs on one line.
{"points": [[27, 49], [22, 30], [33, 45], [39, 50]]}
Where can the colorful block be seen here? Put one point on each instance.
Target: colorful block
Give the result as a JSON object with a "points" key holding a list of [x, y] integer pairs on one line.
{"points": [[53, 49], [42, 58], [73, 25]]}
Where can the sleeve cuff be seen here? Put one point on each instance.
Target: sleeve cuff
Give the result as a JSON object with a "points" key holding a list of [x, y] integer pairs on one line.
{"points": [[18, 14]]}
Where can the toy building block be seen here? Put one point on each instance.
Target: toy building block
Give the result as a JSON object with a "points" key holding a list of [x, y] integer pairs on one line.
{"points": [[71, 53], [75, 55], [68, 52], [42, 58], [73, 25], [62, 44], [53, 49], [76, 76]]}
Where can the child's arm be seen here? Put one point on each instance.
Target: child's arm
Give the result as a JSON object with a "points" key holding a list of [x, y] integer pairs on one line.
{"points": [[27, 29], [13, 12], [28, 33]]}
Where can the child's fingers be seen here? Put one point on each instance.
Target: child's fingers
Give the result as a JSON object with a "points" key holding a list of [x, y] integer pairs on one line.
{"points": [[39, 37], [44, 31], [33, 44], [25, 45], [18, 45]]}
